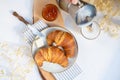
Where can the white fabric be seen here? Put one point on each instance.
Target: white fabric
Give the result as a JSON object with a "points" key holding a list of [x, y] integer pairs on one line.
{"points": [[11, 30], [10, 26], [16, 63]]}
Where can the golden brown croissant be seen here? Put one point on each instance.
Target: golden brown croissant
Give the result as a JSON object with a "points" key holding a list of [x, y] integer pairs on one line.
{"points": [[51, 54], [63, 39]]}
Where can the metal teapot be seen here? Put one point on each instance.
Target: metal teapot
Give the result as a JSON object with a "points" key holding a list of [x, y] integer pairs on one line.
{"points": [[82, 12]]}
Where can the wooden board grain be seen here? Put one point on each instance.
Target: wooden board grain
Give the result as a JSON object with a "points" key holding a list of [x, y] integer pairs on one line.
{"points": [[37, 11], [46, 75]]}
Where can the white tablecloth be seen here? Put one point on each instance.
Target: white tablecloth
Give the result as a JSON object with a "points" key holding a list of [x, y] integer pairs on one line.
{"points": [[11, 30], [10, 27], [99, 59]]}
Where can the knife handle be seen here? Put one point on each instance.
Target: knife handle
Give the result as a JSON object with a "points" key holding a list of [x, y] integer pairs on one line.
{"points": [[20, 18]]}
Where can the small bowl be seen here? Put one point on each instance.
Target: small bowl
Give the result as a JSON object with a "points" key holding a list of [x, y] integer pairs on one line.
{"points": [[53, 67]]}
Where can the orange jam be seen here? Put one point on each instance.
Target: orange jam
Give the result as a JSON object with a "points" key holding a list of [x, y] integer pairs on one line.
{"points": [[50, 12]]}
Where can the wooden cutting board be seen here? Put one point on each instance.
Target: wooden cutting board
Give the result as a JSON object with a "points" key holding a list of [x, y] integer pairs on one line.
{"points": [[37, 12], [37, 15]]}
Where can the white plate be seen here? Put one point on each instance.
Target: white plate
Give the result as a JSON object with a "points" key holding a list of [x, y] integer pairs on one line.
{"points": [[53, 67]]}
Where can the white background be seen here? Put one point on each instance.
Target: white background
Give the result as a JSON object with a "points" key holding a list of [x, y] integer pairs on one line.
{"points": [[99, 59]]}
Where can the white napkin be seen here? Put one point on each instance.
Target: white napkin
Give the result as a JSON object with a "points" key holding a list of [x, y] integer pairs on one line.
{"points": [[11, 29]]}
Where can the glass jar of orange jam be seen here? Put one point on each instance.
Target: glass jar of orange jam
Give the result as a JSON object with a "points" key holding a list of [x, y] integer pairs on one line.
{"points": [[50, 12]]}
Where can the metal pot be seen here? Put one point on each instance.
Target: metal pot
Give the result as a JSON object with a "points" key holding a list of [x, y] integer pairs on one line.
{"points": [[82, 13]]}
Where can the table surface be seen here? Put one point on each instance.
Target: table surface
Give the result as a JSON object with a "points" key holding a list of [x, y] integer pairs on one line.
{"points": [[99, 59]]}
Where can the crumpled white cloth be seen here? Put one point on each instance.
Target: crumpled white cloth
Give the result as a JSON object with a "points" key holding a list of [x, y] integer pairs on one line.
{"points": [[16, 62]]}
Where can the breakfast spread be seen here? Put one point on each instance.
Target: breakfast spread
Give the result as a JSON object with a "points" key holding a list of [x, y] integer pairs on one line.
{"points": [[59, 53], [50, 12], [61, 46]]}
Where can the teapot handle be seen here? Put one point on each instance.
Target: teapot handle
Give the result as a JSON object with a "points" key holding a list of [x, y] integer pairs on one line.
{"points": [[80, 3]]}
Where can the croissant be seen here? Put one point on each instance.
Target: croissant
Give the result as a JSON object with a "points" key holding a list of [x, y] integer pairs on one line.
{"points": [[63, 39], [51, 54]]}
